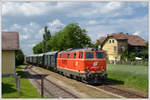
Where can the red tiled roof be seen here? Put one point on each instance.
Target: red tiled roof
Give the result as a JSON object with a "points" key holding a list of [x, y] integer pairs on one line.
{"points": [[102, 39], [10, 40], [119, 36], [136, 40], [133, 40]]}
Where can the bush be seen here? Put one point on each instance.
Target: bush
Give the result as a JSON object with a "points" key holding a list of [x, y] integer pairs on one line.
{"points": [[19, 57]]}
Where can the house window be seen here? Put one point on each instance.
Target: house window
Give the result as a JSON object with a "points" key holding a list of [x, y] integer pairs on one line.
{"points": [[115, 48], [109, 41], [122, 48], [112, 41]]}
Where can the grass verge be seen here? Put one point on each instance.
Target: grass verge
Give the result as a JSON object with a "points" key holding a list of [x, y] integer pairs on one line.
{"points": [[134, 77], [9, 89]]}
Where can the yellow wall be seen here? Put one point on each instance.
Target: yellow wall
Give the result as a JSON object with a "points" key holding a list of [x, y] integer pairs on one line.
{"points": [[109, 48], [8, 62]]}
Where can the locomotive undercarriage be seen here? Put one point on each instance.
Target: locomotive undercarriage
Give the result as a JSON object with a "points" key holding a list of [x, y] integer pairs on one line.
{"points": [[90, 78]]}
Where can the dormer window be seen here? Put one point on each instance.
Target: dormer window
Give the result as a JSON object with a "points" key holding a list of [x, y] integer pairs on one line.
{"points": [[109, 41], [112, 41]]}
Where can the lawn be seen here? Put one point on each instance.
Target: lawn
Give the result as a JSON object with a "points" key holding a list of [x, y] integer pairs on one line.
{"points": [[27, 89], [129, 76]]}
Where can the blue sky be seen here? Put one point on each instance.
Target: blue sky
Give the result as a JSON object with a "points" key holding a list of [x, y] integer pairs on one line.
{"points": [[98, 18]]}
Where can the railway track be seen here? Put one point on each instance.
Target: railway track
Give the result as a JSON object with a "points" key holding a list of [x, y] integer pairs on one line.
{"points": [[51, 88], [122, 92]]}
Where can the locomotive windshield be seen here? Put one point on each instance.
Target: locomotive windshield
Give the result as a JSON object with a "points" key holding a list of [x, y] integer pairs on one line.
{"points": [[89, 55], [100, 55]]}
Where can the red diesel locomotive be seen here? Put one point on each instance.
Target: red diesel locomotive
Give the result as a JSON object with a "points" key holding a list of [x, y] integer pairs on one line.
{"points": [[86, 65]]}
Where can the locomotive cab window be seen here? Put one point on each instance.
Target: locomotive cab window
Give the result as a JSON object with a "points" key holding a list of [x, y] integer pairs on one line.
{"points": [[74, 56], [99, 55], [89, 55], [68, 55]]}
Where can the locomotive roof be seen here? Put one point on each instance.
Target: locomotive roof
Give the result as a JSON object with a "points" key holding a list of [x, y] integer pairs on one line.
{"points": [[80, 49]]}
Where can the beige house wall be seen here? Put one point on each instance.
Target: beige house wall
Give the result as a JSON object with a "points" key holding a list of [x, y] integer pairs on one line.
{"points": [[8, 62], [112, 54]]}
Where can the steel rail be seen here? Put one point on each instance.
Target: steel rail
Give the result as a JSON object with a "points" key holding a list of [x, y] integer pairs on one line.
{"points": [[57, 86]]}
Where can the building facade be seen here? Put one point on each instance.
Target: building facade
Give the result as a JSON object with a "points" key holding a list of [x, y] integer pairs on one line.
{"points": [[115, 43], [10, 43]]}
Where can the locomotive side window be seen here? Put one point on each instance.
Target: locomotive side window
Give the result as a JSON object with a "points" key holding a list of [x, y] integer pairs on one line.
{"points": [[89, 55], [100, 55], [81, 55], [74, 56], [60, 56], [68, 55]]}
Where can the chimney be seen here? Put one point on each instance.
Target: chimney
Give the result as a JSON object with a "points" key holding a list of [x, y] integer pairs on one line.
{"points": [[107, 35], [120, 32]]}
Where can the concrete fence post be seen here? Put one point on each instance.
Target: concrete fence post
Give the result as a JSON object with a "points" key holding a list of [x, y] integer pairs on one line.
{"points": [[18, 84], [42, 87]]}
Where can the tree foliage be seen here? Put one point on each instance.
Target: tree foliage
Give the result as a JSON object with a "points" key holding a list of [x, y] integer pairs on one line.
{"points": [[46, 37], [97, 44], [72, 36], [131, 52], [19, 57], [38, 48], [145, 52]]}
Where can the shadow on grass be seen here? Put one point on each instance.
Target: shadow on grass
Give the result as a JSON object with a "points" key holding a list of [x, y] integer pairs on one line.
{"points": [[7, 88], [110, 81], [26, 74]]}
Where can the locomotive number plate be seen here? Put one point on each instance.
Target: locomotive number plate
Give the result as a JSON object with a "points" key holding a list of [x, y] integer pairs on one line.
{"points": [[95, 63]]}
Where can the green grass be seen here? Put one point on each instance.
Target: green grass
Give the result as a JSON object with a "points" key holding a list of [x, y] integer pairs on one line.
{"points": [[9, 89], [129, 76]]}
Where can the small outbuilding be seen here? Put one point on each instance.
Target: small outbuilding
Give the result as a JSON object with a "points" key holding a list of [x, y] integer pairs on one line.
{"points": [[10, 44]]}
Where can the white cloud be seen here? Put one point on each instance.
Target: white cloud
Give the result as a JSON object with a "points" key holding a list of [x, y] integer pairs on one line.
{"points": [[31, 45], [136, 33], [69, 9], [55, 25], [98, 18], [136, 26], [26, 9], [24, 37], [92, 22]]}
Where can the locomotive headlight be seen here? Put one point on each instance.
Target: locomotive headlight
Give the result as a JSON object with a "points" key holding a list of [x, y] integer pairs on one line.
{"points": [[103, 70], [87, 70]]}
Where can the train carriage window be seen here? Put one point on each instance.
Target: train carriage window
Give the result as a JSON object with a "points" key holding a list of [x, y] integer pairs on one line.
{"points": [[89, 55], [100, 55], [74, 56]]}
